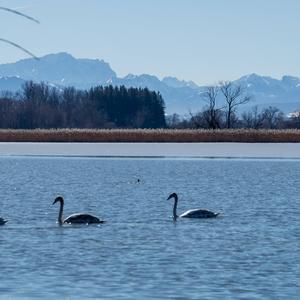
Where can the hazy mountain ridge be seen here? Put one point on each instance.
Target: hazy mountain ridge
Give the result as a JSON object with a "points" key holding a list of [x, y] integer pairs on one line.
{"points": [[11, 83], [283, 93], [61, 69], [180, 96]]}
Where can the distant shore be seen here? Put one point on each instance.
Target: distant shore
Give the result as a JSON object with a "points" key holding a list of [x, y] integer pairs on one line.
{"points": [[180, 150], [150, 136], [239, 143]]}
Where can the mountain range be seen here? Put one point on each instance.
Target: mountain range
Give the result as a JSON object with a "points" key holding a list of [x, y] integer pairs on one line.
{"points": [[180, 96]]}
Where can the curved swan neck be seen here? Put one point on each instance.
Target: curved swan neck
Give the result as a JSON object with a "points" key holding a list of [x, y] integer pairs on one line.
{"points": [[175, 207], [60, 215]]}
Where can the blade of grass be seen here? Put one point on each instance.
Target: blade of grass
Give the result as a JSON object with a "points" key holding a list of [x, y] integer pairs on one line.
{"points": [[20, 14], [19, 47]]}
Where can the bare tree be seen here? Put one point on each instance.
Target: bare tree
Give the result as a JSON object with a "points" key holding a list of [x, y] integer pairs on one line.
{"points": [[234, 96], [196, 120], [173, 120], [212, 114], [15, 44], [272, 117], [253, 119]]}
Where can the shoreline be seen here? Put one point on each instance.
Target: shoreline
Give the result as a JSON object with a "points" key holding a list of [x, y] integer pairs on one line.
{"points": [[149, 136], [179, 150]]}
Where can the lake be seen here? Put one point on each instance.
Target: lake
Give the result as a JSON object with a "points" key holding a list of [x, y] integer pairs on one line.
{"points": [[250, 252]]}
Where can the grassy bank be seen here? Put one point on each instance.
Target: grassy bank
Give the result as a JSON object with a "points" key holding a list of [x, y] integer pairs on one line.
{"points": [[150, 135]]}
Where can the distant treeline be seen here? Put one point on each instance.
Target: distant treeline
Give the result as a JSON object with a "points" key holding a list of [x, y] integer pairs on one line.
{"points": [[39, 105], [267, 118], [42, 106], [225, 115]]}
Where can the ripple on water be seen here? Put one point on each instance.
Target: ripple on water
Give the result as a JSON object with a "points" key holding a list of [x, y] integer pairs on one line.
{"points": [[250, 252]]}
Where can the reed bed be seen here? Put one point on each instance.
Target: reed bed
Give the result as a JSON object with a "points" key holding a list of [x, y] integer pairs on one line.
{"points": [[150, 135]]}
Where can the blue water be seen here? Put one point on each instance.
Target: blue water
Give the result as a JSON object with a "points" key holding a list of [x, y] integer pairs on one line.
{"points": [[251, 252]]}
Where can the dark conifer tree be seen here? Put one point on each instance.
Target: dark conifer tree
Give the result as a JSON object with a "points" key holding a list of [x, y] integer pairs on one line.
{"points": [[42, 106]]}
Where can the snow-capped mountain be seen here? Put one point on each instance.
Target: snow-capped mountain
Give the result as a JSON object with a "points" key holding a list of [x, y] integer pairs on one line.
{"points": [[267, 91], [61, 69], [180, 96]]}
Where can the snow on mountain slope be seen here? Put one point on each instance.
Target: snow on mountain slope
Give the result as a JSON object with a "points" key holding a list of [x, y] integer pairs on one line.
{"points": [[61, 69], [180, 96]]}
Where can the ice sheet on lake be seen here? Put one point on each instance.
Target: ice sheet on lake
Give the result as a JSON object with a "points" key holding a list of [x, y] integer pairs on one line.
{"points": [[204, 150]]}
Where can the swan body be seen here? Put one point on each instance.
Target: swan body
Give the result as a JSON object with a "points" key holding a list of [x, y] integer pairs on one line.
{"points": [[82, 218], [192, 213], [79, 218], [198, 213], [2, 221]]}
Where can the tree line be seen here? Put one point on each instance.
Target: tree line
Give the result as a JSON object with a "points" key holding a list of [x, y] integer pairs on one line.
{"points": [[232, 96], [39, 105]]}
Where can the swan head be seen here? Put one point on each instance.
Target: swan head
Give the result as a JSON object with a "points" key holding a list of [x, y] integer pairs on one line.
{"points": [[173, 195], [58, 199]]}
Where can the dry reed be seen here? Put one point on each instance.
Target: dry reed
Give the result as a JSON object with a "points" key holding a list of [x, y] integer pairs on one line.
{"points": [[150, 135]]}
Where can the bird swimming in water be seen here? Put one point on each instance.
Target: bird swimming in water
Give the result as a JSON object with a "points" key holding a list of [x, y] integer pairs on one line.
{"points": [[79, 218], [192, 213], [2, 221]]}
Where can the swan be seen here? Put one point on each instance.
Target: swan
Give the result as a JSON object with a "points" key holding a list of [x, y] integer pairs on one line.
{"points": [[192, 213], [79, 218], [2, 221]]}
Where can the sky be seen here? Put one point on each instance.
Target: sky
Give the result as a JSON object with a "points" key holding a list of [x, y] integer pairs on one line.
{"points": [[201, 40]]}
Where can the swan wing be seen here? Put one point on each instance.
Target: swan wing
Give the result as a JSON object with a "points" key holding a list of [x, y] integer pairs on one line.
{"points": [[82, 218], [199, 213]]}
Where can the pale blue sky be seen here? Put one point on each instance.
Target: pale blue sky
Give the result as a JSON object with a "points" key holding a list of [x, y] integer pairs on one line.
{"points": [[201, 40]]}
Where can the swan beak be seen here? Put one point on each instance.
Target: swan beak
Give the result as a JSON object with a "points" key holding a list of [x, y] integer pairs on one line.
{"points": [[54, 202], [169, 198]]}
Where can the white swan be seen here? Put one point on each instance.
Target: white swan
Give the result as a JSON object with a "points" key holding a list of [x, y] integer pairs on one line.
{"points": [[192, 213], [80, 218], [2, 221]]}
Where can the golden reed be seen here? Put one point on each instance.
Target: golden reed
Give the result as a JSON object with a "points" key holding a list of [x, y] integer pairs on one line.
{"points": [[150, 135]]}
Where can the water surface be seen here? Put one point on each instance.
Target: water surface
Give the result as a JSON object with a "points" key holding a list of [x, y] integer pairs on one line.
{"points": [[251, 252]]}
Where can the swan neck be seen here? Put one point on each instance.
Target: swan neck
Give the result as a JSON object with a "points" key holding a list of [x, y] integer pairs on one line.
{"points": [[175, 208], [60, 215]]}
